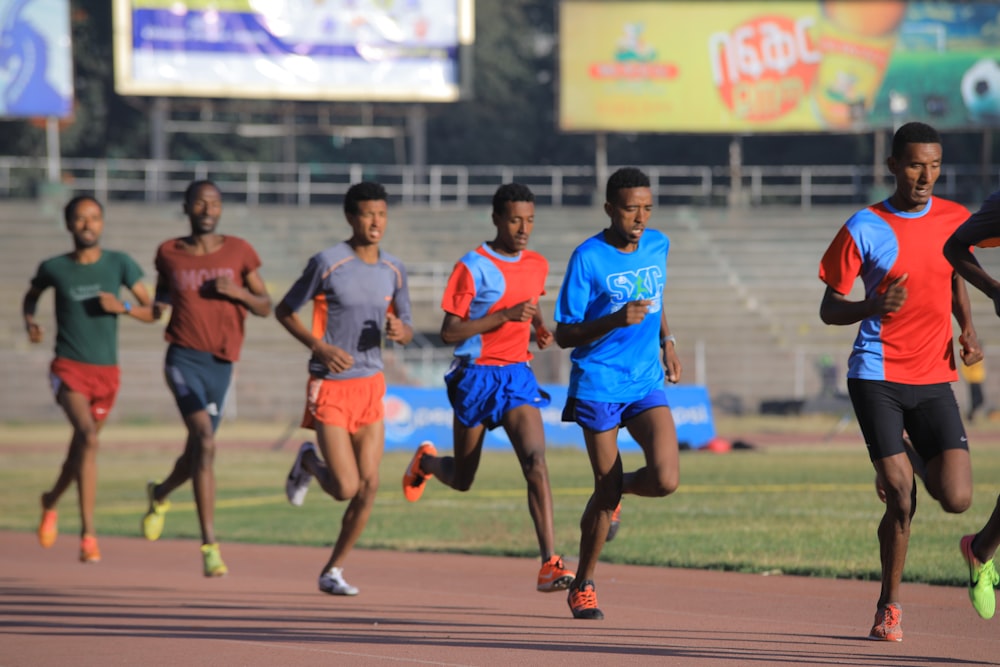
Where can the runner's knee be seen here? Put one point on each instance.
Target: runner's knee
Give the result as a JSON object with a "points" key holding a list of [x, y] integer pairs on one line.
{"points": [[956, 501]]}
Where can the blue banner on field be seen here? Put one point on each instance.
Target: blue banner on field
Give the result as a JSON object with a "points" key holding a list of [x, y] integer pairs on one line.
{"points": [[413, 415]]}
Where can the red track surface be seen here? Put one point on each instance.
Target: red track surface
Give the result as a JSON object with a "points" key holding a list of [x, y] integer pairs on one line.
{"points": [[147, 603]]}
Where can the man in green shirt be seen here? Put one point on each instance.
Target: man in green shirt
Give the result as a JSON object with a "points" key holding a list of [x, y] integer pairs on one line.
{"points": [[84, 373]]}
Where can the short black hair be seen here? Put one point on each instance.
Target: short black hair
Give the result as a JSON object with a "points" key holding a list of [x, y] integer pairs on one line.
{"points": [[194, 186], [913, 133], [363, 191], [70, 209], [511, 192], [625, 179]]}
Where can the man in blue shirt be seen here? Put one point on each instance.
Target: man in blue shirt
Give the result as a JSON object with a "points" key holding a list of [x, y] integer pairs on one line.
{"points": [[610, 309]]}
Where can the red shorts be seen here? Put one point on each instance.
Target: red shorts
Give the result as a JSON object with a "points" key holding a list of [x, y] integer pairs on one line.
{"points": [[97, 383], [349, 404]]}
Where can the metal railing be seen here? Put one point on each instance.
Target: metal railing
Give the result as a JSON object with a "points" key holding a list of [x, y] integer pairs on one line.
{"points": [[462, 186]]}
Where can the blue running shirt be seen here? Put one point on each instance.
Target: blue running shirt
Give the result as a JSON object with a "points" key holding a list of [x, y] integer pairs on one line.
{"points": [[623, 365]]}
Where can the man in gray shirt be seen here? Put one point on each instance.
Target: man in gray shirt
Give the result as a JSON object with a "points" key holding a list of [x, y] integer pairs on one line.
{"points": [[358, 291]]}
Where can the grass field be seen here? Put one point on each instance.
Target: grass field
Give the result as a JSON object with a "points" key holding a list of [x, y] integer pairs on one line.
{"points": [[797, 503]]}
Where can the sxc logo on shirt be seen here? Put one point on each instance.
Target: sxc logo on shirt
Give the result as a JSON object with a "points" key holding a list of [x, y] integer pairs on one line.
{"points": [[644, 283]]}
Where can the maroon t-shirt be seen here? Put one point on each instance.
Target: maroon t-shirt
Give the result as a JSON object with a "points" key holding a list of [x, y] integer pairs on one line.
{"points": [[200, 319]]}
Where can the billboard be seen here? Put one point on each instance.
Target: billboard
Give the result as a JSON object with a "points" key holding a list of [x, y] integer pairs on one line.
{"points": [[358, 50], [36, 59], [782, 66]]}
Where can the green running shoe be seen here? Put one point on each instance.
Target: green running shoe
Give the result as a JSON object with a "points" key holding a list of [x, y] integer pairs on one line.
{"points": [[156, 516], [214, 567], [983, 577]]}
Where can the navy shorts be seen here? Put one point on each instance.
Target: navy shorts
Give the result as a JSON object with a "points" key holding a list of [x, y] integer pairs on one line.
{"points": [[928, 413], [199, 381], [484, 394], [599, 416]]}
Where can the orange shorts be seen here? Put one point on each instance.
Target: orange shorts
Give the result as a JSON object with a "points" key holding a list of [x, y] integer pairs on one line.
{"points": [[349, 404], [97, 383]]}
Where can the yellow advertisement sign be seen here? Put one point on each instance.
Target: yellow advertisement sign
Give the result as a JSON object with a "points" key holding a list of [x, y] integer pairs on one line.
{"points": [[723, 66]]}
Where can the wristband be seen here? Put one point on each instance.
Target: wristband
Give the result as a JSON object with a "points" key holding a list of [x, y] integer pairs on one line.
{"points": [[127, 306], [668, 339]]}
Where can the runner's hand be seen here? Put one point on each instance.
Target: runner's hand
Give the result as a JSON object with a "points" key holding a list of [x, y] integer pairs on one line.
{"points": [[635, 312], [394, 329], [894, 296], [334, 358], [35, 332]]}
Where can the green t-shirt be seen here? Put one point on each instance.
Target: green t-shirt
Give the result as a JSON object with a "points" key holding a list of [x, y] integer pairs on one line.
{"points": [[84, 331]]}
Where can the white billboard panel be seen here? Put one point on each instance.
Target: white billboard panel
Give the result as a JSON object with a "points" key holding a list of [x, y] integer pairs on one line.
{"points": [[360, 50]]}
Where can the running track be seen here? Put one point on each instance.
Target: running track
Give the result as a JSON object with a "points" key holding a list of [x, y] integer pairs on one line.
{"points": [[147, 604]]}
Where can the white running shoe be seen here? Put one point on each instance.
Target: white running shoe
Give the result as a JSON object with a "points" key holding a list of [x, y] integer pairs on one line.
{"points": [[297, 484], [332, 582]]}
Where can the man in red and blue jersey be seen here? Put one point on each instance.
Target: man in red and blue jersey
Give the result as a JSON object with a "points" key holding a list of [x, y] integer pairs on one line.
{"points": [[491, 305], [903, 359]]}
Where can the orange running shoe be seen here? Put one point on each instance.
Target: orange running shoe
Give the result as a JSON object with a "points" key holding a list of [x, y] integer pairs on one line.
{"points": [[888, 624], [48, 528], [616, 520], [583, 601], [89, 553], [553, 576], [414, 481]]}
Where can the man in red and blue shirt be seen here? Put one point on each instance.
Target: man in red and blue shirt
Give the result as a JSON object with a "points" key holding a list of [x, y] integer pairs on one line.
{"points": [[903, 360], [491, 306]]}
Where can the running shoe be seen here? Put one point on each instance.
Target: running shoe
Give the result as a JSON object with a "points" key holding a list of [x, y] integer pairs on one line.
{"points": [[554, 576], [982, 578], [414, 481], [888, 625], [583, 601], [332, 582], [48, 528], [89, 553], [152, 523], [616, 520], [297, 484], [212, 560]]}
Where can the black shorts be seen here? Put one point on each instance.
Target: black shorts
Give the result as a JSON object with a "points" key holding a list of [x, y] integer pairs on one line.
{"points": [[928, 413], [198, 380]]}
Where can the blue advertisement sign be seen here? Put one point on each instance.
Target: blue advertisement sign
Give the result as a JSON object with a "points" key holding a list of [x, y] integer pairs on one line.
{"points": [[413, 415], [36, 59]]}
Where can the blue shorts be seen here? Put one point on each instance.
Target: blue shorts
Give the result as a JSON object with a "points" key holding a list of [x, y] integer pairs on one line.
{"points": [[928, 413], [199, 381], [484, 394], [599, 416]]}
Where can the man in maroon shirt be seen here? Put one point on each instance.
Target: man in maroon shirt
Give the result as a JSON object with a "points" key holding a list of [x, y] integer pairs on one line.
{"points": [[209, 281]]}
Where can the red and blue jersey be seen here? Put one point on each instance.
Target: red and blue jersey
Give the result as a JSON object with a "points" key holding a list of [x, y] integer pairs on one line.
{"points": [[880, 244], [483, 282]]}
